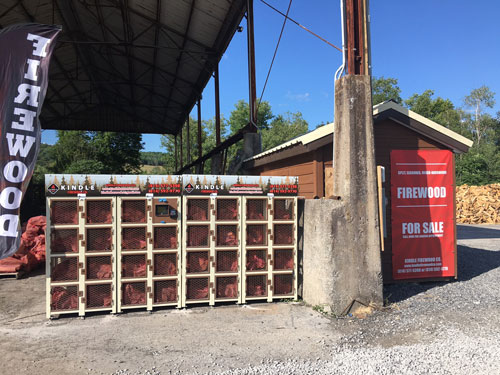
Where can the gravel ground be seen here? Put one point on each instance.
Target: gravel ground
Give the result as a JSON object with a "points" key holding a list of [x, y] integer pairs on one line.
{"points": [[425, 328]]}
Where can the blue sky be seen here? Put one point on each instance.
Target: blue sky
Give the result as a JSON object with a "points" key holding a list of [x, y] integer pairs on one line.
{"points": [[449, 46]]}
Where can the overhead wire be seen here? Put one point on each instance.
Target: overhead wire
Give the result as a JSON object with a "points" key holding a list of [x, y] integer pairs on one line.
{"points": [[303, 27], [278, 43], [274, 57]]}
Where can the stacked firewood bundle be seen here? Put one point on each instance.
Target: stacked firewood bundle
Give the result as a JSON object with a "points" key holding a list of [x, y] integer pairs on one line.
{"points": [[478, 204]]}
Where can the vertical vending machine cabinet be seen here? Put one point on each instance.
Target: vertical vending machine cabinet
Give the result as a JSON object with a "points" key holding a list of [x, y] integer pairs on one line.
{"points": [[113, 242], [239, 238]]}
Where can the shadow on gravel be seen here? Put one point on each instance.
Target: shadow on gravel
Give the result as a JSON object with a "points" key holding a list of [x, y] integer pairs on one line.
{"points": [[399, 292], [466, 232], [472, 262], [36, 272]]}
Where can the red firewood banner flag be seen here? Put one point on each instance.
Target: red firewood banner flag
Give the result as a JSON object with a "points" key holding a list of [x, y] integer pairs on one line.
{"points": [[422, 209], [25, 51]]}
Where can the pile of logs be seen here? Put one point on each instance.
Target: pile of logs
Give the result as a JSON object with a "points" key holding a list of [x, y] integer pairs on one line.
{"points": [[478, 204]]}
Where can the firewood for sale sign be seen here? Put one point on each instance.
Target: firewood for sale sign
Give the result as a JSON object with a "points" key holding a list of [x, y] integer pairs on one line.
{"points": [[422, 210], [25, 52]]}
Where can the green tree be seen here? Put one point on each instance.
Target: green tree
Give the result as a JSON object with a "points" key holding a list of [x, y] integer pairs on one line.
{"points": [[87, 166], [241, 114], [478, 99], [95, 152], [152, 158], [120, 153], [425, 105], [385, 89], [207, 141], [282, 129], [71, 146], [479, 166], [44, 164]]}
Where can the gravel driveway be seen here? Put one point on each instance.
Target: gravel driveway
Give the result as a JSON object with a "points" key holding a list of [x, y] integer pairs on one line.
{"points": [[427, 328]]}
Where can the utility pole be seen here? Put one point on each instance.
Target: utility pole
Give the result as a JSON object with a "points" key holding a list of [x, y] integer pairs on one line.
{"points": [[347, 230], [358, 37], [355, 174]]}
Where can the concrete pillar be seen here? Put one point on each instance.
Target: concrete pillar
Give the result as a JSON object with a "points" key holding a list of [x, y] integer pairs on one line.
{"points": [[342, 265], [216, 166], [252, 145]]}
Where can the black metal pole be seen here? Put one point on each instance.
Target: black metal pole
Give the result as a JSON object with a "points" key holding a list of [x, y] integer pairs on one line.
{"points": [[188, 142], [251, 64]]}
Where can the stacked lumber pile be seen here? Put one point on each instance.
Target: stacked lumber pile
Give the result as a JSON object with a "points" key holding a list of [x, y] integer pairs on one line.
{"points": [[478, 204]]}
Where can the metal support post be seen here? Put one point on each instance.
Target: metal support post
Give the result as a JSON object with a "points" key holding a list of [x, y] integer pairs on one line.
{"points": [[251, 64]]}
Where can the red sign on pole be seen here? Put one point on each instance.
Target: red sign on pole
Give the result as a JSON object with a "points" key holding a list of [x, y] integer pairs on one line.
{"points": [[423, 228]]}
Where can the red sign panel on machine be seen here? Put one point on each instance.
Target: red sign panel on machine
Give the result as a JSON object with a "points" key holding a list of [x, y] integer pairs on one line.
{"points": [[423, 229]]}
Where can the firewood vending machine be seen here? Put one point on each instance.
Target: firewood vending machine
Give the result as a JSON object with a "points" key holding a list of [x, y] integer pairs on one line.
{"points": [[116, 243], [239, 238], [113, 243]]}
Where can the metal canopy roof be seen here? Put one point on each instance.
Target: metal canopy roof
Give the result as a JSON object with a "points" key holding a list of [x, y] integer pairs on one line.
{"points": [[128, 65]]}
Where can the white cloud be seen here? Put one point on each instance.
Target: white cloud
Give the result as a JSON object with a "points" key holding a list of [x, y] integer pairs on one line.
{"points": [[305, 97]]}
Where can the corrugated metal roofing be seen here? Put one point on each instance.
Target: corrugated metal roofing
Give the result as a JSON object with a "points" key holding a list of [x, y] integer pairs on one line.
{"points": [[128, 65], [318, 133]]}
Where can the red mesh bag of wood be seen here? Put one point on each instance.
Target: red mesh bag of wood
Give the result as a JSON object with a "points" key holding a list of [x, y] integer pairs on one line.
{"points": [[283, 234], [63, 299], [134, 211], [256, 285], [165, 264], [31, 252], [66, 270], [200, 292], [227, 287], [38, 249], [256, 260], [165, 291], [197, 262], [99, 299], [227, 261], [227, 209], [256, 209], [99, 296], [35, 227], [283, 284], [99, 212], [197, 288], [133, 239], [134, 266], [64, 212], [11, 265], [104, 272], [256, 235], [134, 294], [197, 209], [165, 238], [99, 268], [256, 290]]}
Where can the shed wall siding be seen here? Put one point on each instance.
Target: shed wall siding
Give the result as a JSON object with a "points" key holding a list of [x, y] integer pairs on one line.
{"points": [[389, 135], [303, 166]]}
